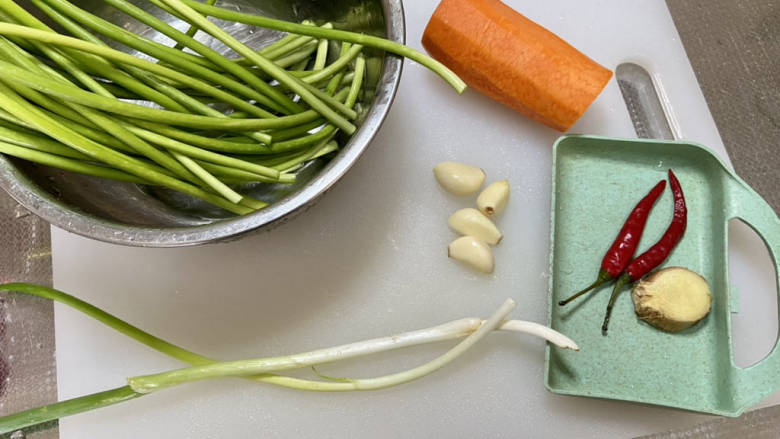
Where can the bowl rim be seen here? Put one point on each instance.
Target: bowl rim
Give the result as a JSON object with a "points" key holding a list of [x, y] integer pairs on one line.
{"points": [[43, 204]]}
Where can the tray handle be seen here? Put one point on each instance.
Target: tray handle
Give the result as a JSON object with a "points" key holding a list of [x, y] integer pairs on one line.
{"points": [[763, 378]]}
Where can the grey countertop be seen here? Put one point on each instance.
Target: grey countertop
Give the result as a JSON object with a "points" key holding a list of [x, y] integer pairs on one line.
{"points": [[734, 48]]}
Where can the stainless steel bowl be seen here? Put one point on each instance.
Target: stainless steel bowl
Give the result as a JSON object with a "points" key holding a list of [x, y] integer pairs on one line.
{"points": [[128, 214]]}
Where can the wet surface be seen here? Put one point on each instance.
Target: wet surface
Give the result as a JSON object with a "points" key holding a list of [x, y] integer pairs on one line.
{"points": [[734, 48]]}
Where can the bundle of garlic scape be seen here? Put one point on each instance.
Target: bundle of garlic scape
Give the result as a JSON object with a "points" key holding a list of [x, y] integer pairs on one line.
{"points": [[475, 225]]}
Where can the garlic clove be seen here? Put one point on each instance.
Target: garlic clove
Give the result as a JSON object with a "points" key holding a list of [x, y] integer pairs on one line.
{"points": [[472, 222], [459, 179], [473, 252], [492, 201]]}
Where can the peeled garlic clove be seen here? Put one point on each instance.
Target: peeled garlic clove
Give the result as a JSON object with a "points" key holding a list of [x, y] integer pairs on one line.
{"points": [[457, 178], [492, 201], [471, 222], [473, 252]]}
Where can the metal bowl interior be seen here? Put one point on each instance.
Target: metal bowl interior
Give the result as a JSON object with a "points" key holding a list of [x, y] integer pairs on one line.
{"points": [[130, 214]]}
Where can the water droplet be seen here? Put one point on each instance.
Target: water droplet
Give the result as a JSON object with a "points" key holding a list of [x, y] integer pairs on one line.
{"points": [[660, 164], [12, 339], [17, 435]]}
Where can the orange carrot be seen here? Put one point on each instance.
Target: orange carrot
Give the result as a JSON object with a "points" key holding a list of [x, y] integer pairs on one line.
{"points": [[515, 61]]}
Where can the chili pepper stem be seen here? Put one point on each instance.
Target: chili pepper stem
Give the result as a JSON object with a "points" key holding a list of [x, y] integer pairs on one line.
{"points": [[622, 281], [603, 278]]}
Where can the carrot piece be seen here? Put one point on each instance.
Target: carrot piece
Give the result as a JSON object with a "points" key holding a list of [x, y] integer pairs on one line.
{"points": [[515, 61]]}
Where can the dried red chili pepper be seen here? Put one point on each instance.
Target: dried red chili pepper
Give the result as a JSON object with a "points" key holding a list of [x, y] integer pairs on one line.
{"points": [[622, 250], [654, 256]]}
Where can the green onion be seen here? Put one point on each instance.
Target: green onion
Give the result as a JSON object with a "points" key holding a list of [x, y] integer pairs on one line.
{"points": [[245, 368], [28, 418], [473, 329]]}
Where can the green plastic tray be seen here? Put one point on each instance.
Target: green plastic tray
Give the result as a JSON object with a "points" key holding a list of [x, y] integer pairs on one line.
{"points": [[596, 182]]}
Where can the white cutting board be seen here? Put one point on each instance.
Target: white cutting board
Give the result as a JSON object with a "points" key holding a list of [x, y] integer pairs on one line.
{"points": [[369, 260]]}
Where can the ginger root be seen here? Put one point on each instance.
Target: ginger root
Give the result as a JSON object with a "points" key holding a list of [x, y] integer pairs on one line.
{"points": [[672, 299]]}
